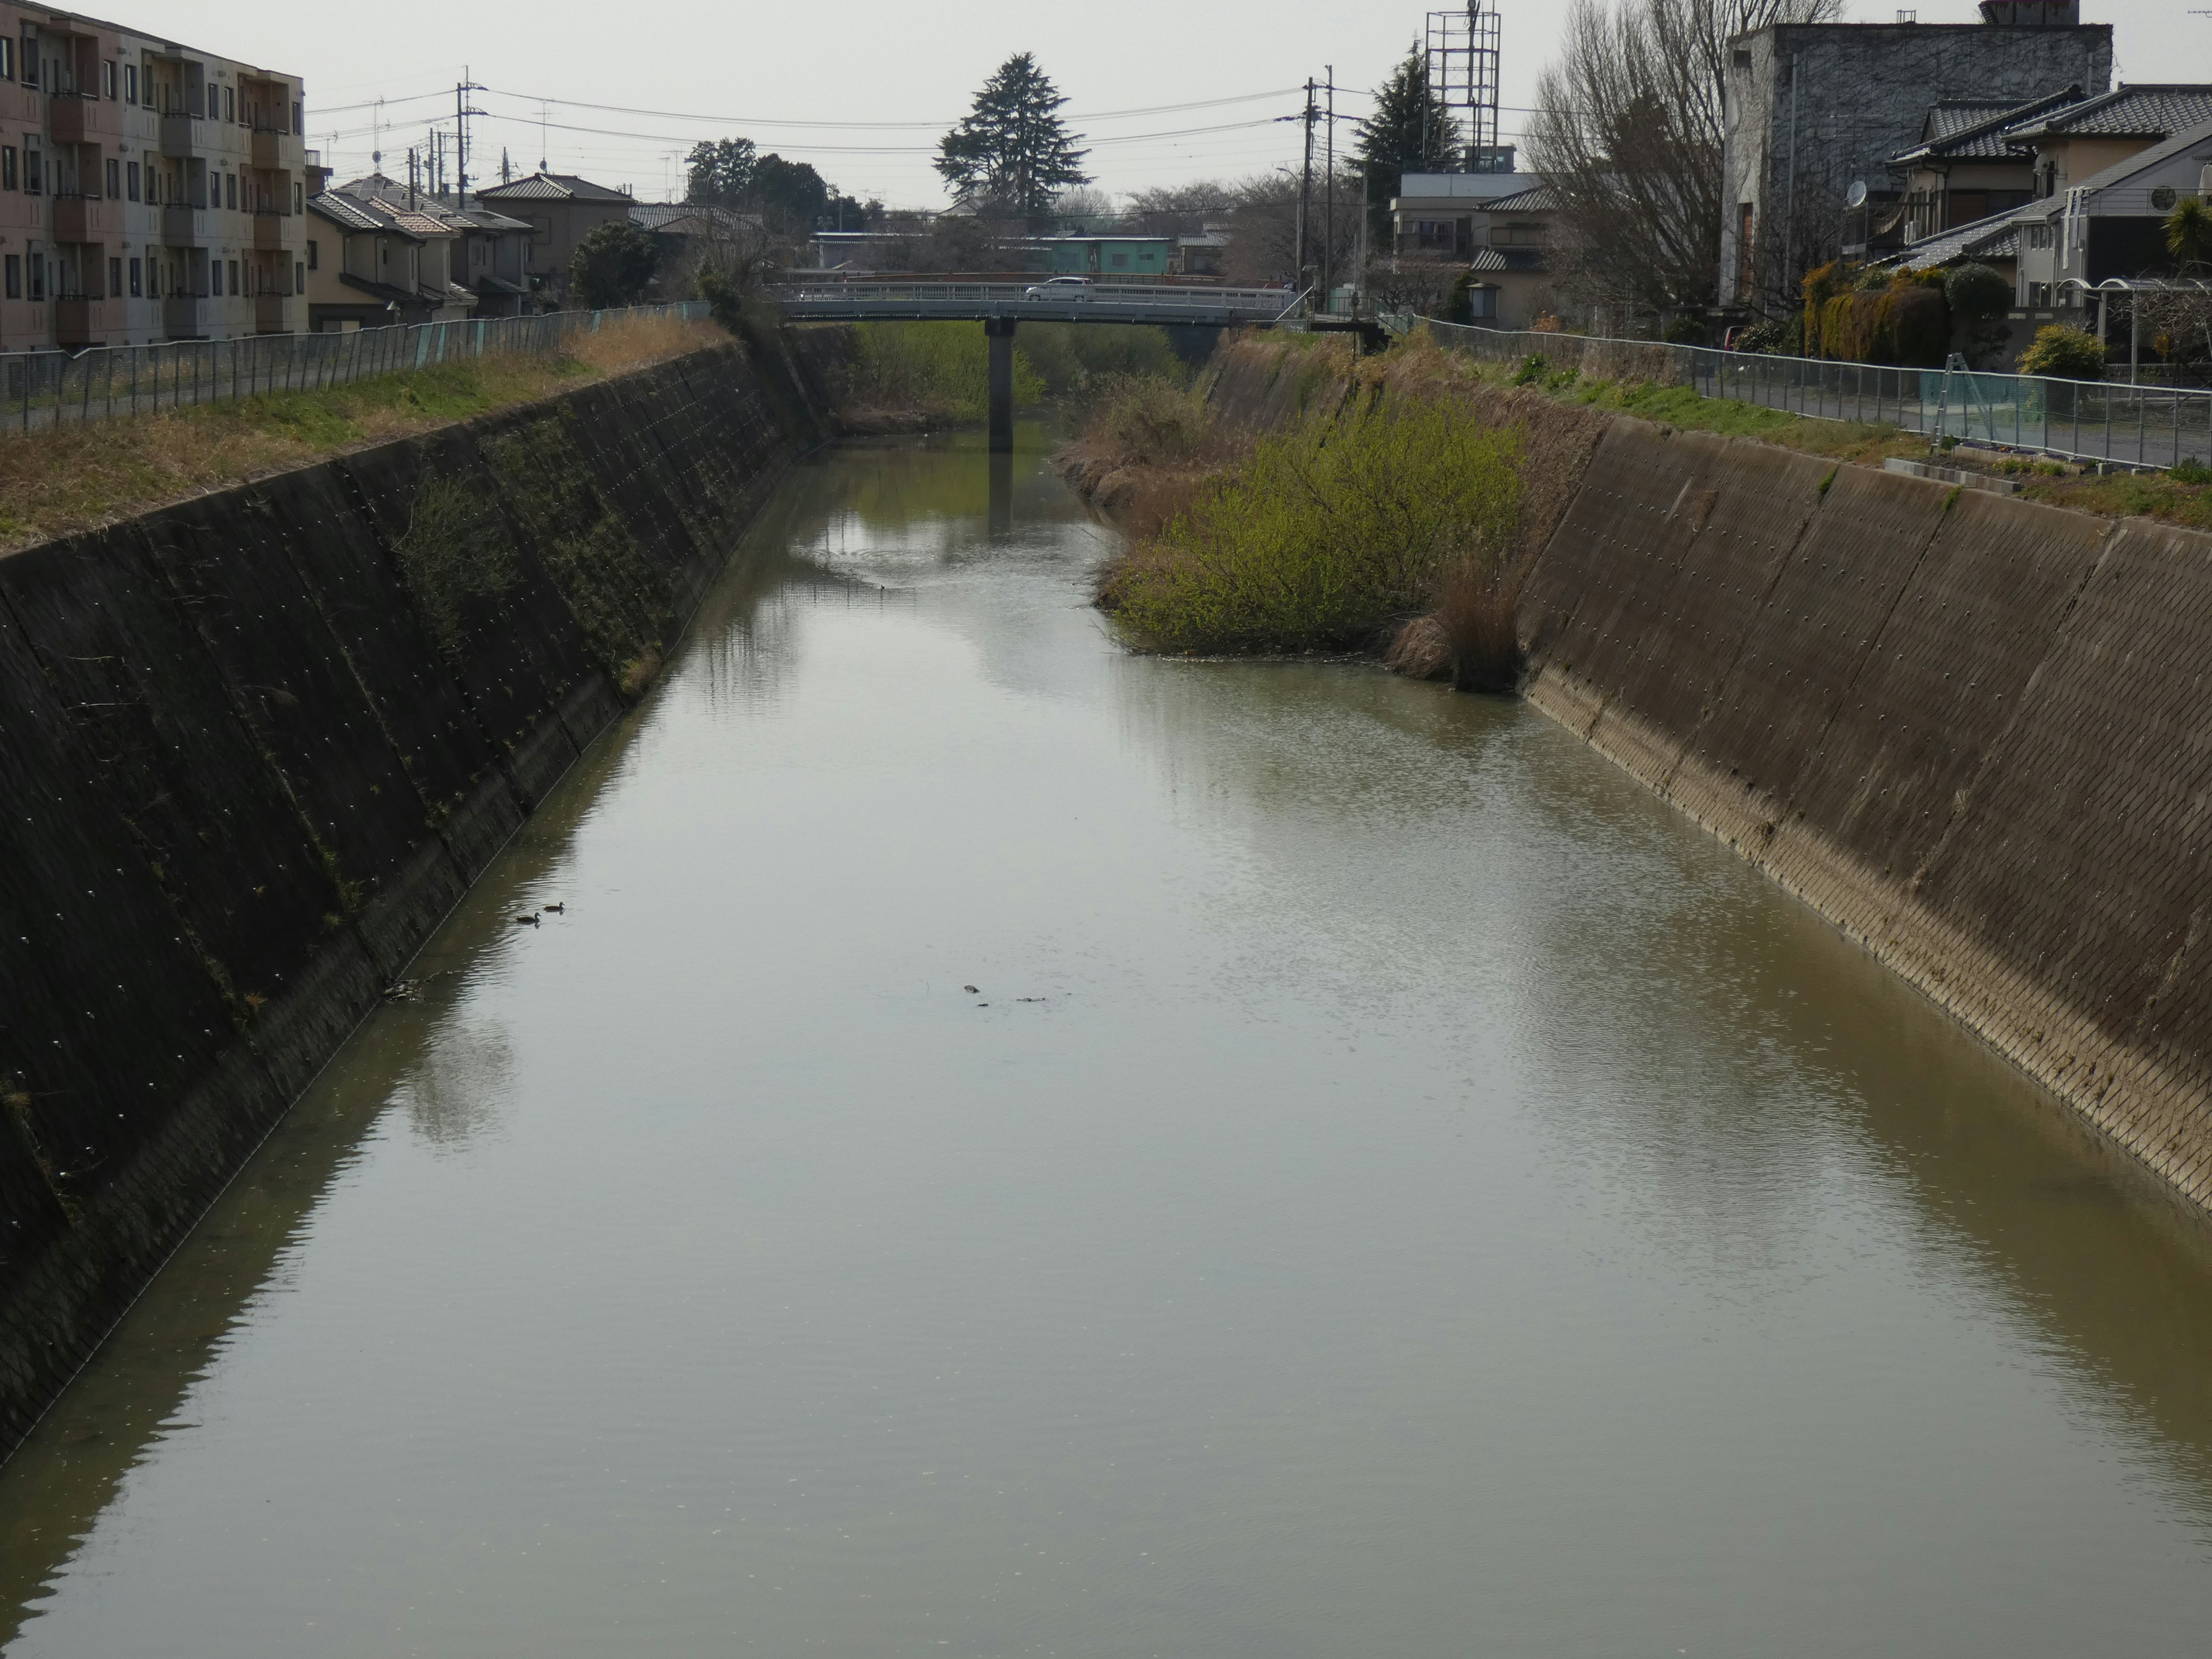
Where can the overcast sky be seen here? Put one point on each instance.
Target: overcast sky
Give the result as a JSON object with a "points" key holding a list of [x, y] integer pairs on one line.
{"points": [[862, 88]]}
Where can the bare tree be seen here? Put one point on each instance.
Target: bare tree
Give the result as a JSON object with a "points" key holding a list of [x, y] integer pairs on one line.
{"points": [[1180, 210], [1629, 130], [1263, 228]]}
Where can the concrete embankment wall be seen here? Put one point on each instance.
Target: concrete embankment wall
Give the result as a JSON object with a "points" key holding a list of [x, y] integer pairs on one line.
{"points": [[1971, 731], [254, 746]]}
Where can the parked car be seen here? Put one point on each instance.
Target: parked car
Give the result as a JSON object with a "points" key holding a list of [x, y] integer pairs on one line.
{"points": [[1057, 288]]}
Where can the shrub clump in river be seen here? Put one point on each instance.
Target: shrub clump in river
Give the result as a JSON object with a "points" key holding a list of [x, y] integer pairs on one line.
{"points": [[1330, 535]]}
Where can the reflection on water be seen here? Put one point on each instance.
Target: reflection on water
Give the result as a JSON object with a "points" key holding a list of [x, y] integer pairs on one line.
{"points": [[1395, 1187]]}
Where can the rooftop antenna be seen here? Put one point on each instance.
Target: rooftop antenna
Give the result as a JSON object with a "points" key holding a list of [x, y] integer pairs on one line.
{"points": [[376, 128], [542, 151], [1462, 69]]}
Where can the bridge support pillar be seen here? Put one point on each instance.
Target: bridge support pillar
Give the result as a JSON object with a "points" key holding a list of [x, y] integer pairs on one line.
{"points": [[999, 331]]}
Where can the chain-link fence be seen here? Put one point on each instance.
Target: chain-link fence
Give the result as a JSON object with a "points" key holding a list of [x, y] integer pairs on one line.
{"points": [[40, 388], [2134, 426]]}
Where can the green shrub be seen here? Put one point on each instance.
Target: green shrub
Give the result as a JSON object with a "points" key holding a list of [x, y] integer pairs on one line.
{"points": [[1976, 293], [942, 369], [1533, 368], [613, 266], [1071, 359], [1686, 330], [1775, 337], [1324, 535], [1459, 304], [2190, 472], [1151, 418], [2064, 353]]}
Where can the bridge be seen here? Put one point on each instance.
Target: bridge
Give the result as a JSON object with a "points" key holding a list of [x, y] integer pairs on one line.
{"points": [[1001, 307]]}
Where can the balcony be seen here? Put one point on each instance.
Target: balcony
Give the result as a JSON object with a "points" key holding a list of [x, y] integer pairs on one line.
{"points": [[270, 228], [75, 116], [79, 321], [79, 218], [184, 226], [275, 313], [274, 149], [183, 317], [180, 136]]}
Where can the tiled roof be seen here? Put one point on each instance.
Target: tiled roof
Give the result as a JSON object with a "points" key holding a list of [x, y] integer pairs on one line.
{"points": [[2196, 137], [346, 213], [1962, 130], [1507, 258], [2139, 111], [1997, 237], [414, 222], [1539, 198], [550, 186]]}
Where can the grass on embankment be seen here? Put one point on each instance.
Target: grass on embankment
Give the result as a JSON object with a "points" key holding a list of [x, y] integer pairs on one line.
{"points": [[72, 479], [1324, 536]]}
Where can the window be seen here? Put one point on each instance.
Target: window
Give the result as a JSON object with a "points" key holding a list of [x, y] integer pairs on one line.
{"points": [[131, 180], [2164, 197], [299, 198], [108, 77], [215, 276], [135, 279], [34, 171], [1742, 58], [312, 263], [38, 275], [30, 58], [299, 278], [299, 121], [10, 180], [115, 276], [130, 84], [230, 104], [15, 290], [234, 279], [7, 58], [230, 190], [114, 178]]}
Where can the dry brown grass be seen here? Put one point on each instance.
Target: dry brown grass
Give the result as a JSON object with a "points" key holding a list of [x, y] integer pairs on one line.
{"points": [[75, 478]]}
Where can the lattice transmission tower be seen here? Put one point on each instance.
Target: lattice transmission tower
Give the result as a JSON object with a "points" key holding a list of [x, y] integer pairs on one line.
{"points": [[1462, 57]]}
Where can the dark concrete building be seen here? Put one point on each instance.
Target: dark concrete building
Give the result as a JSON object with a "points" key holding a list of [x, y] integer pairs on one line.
{"points": [[1815, 111]]}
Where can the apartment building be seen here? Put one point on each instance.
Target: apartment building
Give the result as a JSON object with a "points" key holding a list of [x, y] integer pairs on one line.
{"points": [[149, 191]]}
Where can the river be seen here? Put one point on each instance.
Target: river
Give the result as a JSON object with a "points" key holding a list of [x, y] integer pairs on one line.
{"points": [[1013, 1148]]}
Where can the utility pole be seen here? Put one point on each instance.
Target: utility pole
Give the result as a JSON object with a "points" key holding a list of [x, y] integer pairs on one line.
{"points": [[1305, 185], [462, 110], [410, 176], [1328, 214]]}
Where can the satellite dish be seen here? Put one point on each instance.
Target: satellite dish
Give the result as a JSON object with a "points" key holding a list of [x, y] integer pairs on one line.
{"points": [[1856, 197]]}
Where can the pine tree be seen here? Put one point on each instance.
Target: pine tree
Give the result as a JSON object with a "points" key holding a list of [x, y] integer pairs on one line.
{"points": [[1411, 130], [719, 173], [1012, 152]]}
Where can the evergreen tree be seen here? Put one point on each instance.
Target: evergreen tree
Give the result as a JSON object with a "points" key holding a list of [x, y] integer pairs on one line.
{"points": [[613, 266], [1012, 152], [719, 173], [1411, 131]]}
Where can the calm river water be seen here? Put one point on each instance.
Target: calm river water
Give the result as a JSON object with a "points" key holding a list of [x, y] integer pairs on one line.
{"points": [[1393, 1189]]}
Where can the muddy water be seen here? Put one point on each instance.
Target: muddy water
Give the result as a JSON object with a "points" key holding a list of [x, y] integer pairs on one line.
{"points": [[1393, 1189]]}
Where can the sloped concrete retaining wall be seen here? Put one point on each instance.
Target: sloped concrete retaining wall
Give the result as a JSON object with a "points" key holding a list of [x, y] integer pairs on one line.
{"points": [[1973, 731], [254, 746], [1970, 731]]}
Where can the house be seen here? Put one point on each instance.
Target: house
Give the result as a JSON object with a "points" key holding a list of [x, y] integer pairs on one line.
{"points": [[377, 259], [1512, 259], [561, 210], [1969, 164], [2108, 225], [149, 190], [492, 259], [1814, 112], [1439, 215], [1114, 259], [1201, 253], [685, 229]]}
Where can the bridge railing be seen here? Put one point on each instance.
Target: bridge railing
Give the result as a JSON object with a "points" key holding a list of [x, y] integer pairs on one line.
{"points": [[845, 294]]}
